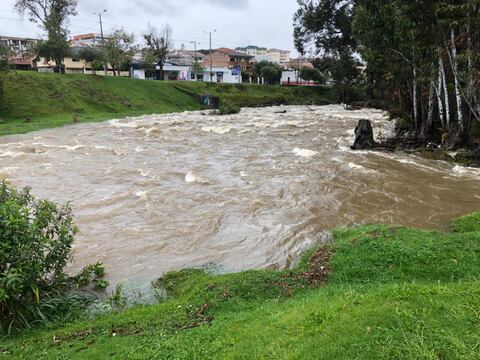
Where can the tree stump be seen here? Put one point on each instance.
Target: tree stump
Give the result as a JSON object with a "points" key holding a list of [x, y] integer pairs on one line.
{"points": [[364, 136]]}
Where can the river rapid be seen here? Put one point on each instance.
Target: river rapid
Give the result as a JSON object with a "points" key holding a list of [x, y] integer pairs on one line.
{"points": [[252, 190]]}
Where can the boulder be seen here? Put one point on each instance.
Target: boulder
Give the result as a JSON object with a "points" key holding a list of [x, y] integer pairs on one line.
{"points": [[364, 136]]}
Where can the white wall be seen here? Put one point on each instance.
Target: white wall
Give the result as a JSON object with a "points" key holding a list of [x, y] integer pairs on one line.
{"points": [[185, 74]]}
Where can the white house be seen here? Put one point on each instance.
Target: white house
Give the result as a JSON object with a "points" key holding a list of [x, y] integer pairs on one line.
{"points": [[185, 73]]}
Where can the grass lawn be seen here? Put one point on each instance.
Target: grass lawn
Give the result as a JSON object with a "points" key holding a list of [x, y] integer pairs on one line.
{"points": [[36, 101], [376, 292]]}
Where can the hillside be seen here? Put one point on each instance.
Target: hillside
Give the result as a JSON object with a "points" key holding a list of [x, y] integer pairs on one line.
{"points": [[34, 101], [376, 292]]}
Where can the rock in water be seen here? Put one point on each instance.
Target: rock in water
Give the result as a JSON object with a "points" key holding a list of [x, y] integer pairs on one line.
{"points": [[364, 136]]}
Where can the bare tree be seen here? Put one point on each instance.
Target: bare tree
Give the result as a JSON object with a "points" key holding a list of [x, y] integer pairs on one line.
{"points": [[159, 44], [52, 16]]}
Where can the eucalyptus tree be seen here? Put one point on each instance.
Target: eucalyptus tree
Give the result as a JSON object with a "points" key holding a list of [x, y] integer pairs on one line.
{"points": [[52, 16], [422, 57]]}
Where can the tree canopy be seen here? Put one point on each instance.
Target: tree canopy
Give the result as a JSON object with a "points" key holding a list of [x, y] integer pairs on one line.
{"points": [[52, 16], [422, 57], [271, 72]]}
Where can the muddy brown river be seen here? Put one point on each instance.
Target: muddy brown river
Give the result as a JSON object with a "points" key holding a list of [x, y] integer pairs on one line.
{"points": [[252, 190]]}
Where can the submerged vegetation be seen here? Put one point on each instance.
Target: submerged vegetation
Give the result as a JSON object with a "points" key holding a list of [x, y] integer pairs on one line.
{"points": [[51, 100], [376, 291]]}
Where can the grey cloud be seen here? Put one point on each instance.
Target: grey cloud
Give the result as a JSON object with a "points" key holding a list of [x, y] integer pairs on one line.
{"points": [[178, 7]]}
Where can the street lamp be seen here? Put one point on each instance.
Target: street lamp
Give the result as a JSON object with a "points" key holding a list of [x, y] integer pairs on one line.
{"points": [[101, 34], [211, 60]]}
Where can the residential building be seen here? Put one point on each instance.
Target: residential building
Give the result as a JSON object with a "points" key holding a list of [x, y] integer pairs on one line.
{"points": [[22, 62], [85, 40], [18, 45], [259, 53], [185, 57], [280, 57], [186, 73], [73, 65], [228, 58]]}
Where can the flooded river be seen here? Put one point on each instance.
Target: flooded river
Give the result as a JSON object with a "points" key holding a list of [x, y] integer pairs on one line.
{"points": [[252, 190]]}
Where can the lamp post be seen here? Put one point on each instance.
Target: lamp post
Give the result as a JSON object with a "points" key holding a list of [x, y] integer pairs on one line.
{"points": [[211, 60], [101, 34]]}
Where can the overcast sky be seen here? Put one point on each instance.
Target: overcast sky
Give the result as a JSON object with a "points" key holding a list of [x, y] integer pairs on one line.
{"points": [[265, 23]]}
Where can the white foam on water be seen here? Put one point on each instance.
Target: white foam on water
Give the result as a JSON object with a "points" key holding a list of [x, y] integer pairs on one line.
{"points": [[221, 130], [193, 177], [353, 166], [462, 171], [304, 152]]}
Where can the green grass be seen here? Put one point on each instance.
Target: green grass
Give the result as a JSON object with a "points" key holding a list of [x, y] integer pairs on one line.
{"points": [[390, 293], [36, 101]]}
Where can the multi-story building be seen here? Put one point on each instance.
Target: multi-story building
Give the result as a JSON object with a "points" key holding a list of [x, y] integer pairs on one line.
{"points": [[280, 57], [259, 53], [18, 45], [228, 58], [185, 57], [85, 40]]}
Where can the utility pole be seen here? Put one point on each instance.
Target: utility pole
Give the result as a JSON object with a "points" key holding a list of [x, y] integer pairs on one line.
{"points": [[211, 60], [195, 59], [101, 34]]}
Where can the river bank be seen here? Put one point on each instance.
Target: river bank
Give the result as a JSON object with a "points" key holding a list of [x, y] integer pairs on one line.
{"points": [[376, 291], [35, 101]]}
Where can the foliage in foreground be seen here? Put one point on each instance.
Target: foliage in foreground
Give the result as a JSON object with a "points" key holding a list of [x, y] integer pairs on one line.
{"points": [[36, 239], [391, 292]]}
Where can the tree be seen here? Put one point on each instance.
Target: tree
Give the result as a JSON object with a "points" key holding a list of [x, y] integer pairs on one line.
{"points": [[325, 27], [4, 67], [311, 74], [272, 75], [159, 45], [52, 16], [94, 56], [422, 58], [197, 68], [119, 50]]}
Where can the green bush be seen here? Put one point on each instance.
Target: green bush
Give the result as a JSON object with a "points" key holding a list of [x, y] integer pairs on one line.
{"points": [[36, 239], [227, 108]]}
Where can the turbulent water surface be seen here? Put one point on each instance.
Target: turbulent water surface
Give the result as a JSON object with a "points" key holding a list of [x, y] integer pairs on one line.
{"points": [[252, 190]]}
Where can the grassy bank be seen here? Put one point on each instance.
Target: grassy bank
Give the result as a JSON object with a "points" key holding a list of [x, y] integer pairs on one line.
{"points": [[35, 101], [375, 292]]}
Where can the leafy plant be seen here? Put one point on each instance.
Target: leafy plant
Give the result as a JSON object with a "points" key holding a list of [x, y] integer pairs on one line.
{"points": [[36, 239], [117, 297]]}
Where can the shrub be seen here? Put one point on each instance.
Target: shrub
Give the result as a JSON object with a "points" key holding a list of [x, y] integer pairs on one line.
{"points": [[227, 108], [36, 239]]}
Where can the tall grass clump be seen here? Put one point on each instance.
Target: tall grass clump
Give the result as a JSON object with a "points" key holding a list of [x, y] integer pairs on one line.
{"points": [[36, 239], [227, 108]]}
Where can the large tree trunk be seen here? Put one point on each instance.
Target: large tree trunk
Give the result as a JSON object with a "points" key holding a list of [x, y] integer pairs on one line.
{"points": [[415, 99], [364, 136], [445, 93], [458, 94], [427, 130], [441, 113]]}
